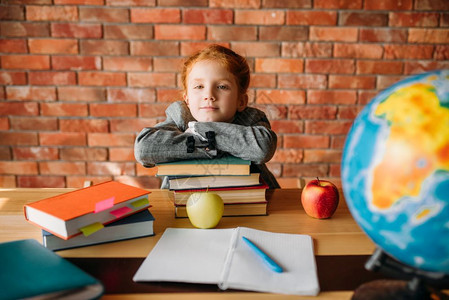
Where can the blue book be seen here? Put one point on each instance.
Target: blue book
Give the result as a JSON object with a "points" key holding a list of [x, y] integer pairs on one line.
{"points": [[137, 225], [30, 270]]}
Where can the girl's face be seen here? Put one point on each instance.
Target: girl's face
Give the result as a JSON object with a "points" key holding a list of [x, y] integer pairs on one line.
{"points": [[212, 93]]}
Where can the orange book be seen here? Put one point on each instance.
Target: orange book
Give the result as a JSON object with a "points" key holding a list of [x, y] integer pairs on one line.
{"points": [[86, 210]]}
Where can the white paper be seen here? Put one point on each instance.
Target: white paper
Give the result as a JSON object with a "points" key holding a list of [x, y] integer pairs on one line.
{"points": [[219, 256]]}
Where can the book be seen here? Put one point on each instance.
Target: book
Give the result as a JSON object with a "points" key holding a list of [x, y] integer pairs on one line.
{"points": [[30, 270], [226, 165], [232, 209], [220, 256], [195, 182], [137, 225], [86, 210], [243, 194]]}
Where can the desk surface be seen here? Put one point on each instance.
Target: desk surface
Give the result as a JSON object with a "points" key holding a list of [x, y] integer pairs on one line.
{"points": [[339, 237]]}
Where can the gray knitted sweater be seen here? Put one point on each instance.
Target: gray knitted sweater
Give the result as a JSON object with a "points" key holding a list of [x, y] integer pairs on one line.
{"points": [[248, 136]]}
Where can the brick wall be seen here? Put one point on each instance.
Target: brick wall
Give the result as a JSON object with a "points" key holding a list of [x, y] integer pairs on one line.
{"points": [[80, 78]]}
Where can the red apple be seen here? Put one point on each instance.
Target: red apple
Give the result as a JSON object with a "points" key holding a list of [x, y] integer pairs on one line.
{"points": [[320, 198]]}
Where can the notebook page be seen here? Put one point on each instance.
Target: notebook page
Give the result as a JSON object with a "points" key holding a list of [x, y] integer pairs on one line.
{"points": [[187, 255], [293, 252]]}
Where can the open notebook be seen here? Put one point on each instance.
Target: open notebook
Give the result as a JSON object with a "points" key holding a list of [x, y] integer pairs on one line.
{"points": [[219, 256]]}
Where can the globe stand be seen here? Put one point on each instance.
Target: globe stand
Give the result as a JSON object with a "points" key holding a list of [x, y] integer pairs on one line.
{"points": [[412, 284]]}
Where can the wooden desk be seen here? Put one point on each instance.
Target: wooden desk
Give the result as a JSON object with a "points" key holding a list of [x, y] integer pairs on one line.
{"points": [[341, 247]]}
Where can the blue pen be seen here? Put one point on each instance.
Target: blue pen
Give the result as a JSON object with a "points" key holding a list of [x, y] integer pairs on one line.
{"points": [[271, 263]]}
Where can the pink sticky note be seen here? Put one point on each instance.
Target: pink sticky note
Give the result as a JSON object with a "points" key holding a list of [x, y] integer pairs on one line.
{"points": [[104, 204], [121, 211]]}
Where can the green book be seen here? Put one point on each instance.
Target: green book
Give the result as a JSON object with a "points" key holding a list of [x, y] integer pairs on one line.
{"points": [[227, 165], [30, 270]]}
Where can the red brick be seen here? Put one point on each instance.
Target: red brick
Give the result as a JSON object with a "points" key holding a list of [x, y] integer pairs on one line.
{"points": [[121, 154], [235, 4], [262, 81], [384, 82], [84, 125], [131, 125], [309, 18], [338, 34], [12, 13], [18, 167], [111, 168], [408, 51], [64, 109], [8, 181], [168, 95], [334, 170], [207, 16], [62, 139], [130, 32], [431, 36], [80, 2], [307, 49], [256, 49], [416, 67], [358, 50], [305, 170], [322, 156], [287, 3], [84, 154], [19, 109], [303, 81], [62, 168], [155, 15], [280, 97], [103, 14], [32, 62], [288, 156], [62, 62], [77, 181], [352, 82], [413, 19], [338, 4], [4, 125], [26, 93], [338, 142], [130, 95], [13, 46], [102, 78], [127, 63], [82, 94], [331, 97], [327, 127], [282, 33], [366, 96], [444, 21], [287, 126], [12, 78], [379, 67], [307, 112], [18, 138], [73, 30], [363, 19], [23, 29], [438, 5], [131, 2], [186, 3], [151, 79], [113, 110], [167, 64], [260, 17], [33, 123], [52, 78], [51, 13], [306, 141], [152, 110], [180, 32], [159, 48], [348, 112], [383, 35], [231, 33], [103, 47], [279, 65], [326, 66], [388, 5], [41, 181]]}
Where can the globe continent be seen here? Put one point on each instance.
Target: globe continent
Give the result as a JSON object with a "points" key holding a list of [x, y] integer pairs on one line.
{"points": [[395, 171]]}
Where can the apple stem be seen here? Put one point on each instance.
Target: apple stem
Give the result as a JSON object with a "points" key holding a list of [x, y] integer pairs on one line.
{"points": [[318, 180]]}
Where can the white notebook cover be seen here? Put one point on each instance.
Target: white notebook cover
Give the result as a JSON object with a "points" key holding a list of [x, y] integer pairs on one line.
{"points": [[219, 256]]}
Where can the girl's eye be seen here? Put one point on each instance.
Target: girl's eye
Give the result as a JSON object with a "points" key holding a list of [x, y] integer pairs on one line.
{"points": [[198, 87], [223, 87]]}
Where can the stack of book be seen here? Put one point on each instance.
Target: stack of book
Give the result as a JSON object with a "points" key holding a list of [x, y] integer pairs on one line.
{"points": [[229, 177], [106, 212]]}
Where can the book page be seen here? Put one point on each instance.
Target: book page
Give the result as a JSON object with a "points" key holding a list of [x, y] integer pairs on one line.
{"points": [[187, 255], [293, 252]]}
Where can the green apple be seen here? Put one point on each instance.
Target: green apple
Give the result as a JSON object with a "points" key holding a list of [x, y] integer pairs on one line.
{"points": [[204, 209]]}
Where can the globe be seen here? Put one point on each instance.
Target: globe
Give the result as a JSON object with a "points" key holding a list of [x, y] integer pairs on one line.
{"points": [[395, 171]]}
